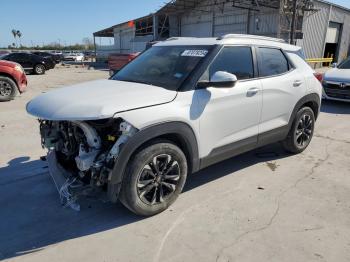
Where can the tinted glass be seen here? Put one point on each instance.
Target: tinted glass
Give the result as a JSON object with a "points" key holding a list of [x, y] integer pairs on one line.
{"points": [[272, 62], [345, 64], [164, 66], [235, 60]]}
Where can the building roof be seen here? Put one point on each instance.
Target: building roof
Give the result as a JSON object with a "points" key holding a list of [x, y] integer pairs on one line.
{"points": [[333, 4], [109, 32], [181, 6]]}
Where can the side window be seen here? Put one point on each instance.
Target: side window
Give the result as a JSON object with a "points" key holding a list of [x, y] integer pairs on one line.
{"points": [[14, 57], [236, 60], [271, 62]]}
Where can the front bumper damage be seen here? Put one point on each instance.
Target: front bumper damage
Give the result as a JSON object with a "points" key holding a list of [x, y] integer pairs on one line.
{"points": [[68, 187], [93, 162]]}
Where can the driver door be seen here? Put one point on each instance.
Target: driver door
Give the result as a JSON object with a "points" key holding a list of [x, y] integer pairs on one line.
{"points": [[229, 123]]}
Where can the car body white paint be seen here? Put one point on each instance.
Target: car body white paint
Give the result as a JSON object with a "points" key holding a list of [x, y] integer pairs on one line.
{"points": [[217, 116], [97, 100]]}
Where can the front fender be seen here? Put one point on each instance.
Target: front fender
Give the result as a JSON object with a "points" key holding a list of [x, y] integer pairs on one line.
{"points": [[182, 130]]}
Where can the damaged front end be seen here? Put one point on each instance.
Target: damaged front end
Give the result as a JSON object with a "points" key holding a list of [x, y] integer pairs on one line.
{"points": [[81, 154]]}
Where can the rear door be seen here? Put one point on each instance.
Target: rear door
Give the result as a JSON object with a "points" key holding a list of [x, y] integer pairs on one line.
{"points": [[230, 116], [18, 58], [28, 61], [283, 85]]}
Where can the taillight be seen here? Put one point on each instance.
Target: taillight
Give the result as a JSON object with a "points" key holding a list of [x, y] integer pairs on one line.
{"points": [[319, 76]]}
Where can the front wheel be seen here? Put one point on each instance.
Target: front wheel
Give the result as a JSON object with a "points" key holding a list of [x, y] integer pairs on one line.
{"points": [[154, 179], [8, 89], [39, 69], [301, 133]]}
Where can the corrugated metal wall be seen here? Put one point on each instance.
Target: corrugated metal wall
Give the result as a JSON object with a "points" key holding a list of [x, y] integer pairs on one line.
{"points": [[264, 22], [233, 21], [315, 28], [197, 25], [126, 42], [221, 20], [342, 16]]}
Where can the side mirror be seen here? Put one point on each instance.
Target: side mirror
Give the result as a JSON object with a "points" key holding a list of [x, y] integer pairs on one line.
{"points": [[220, 79], [334, 65]]}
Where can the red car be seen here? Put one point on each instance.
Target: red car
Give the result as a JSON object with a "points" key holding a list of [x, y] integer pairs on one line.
{"points": [[117, 61], [12, 80]]}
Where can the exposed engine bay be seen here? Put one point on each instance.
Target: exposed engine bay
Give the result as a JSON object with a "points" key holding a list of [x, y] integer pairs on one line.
{"points": [[86, 150]]}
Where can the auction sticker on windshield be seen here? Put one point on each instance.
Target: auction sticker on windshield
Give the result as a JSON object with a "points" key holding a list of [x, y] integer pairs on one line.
{"points": [[195, 53]]}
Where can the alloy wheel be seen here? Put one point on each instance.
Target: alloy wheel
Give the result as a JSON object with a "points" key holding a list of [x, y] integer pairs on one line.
{"points": [[39, 69], [304, 130], [158, 179], [5, 88]]}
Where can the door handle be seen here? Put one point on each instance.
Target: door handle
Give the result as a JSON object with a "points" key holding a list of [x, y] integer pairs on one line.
{"points": [[297, 83], [252, 92]]}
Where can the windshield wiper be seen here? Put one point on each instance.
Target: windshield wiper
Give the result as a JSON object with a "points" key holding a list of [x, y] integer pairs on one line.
{"points": [[135, 81]]}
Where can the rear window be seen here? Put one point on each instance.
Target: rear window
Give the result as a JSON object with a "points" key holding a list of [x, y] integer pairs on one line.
{"points": [[271, 62]]}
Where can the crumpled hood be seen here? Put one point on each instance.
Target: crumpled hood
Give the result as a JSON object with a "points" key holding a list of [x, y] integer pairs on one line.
{"points": [[338, 75], [97, 100]]}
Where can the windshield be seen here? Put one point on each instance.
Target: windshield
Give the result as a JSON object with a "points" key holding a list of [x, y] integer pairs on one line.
{"points": [[164, 66], [345, 64]]}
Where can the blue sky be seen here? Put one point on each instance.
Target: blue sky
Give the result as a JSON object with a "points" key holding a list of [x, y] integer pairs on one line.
{"points": [[69, 21]]}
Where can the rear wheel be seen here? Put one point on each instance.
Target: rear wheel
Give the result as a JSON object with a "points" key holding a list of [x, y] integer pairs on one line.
{"points": [[302, 131], [154, 179], [39, 69], [8, 89]]}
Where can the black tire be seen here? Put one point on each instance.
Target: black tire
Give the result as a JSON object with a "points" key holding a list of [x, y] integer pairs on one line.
{"points": [[8, 89], [301, 132], [39, 69], [146, 193]]}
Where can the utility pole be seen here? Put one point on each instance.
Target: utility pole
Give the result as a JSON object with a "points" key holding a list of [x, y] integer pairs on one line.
{"points": [[294, 18]]}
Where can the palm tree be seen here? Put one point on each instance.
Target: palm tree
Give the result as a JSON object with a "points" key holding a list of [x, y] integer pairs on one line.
{"points": [[19, 34], [14, 32]]}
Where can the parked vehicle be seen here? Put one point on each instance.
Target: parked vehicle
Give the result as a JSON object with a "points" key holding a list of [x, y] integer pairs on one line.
{"points": [[336, 82], [30, 62], [117, 61], [180, 106], [4, 52], [55, 57], [77, 57], [88, 55], [12, 80]]}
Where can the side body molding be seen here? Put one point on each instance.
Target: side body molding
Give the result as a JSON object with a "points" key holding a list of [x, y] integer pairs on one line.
{"points": [[179, 129]]}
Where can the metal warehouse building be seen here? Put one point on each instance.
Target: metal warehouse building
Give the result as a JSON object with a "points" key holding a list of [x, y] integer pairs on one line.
{"points": [[320, 27]]}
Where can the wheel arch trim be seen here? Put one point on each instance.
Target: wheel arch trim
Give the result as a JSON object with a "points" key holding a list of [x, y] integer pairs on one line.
{"points": [[149, 133], [310, 98]]}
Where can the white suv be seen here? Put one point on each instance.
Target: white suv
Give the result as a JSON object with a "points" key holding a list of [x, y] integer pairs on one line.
{"points": [[182, 105]]}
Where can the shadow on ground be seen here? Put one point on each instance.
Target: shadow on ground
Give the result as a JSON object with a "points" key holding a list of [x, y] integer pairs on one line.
{"points": [[335, 107], [32, 218]]}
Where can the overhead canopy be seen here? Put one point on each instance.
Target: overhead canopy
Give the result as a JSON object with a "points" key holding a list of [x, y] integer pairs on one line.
{"points": [[109, 32], [181, 6]]}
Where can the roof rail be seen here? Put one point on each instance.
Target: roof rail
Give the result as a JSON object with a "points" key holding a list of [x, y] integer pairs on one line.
{"points": [[179, 37], [257, 37]]}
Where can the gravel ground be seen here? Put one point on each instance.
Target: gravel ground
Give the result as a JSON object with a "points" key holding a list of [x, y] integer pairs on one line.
{"points": [[262, 206]]}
